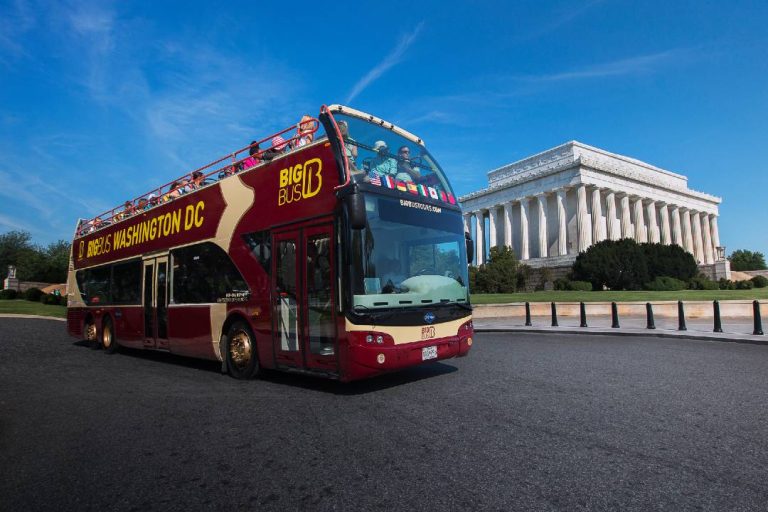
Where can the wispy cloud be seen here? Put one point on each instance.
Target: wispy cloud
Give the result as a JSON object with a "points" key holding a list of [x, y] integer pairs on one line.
{"points": [[16, 19], [630, 66], [394, 57], [555, 20], [93, 25]]}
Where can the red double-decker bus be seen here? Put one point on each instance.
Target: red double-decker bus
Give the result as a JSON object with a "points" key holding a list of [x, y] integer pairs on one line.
{"points": [[335, 248]]}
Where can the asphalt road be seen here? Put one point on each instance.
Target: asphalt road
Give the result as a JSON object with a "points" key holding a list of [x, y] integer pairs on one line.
{"points": [[526, 422]]}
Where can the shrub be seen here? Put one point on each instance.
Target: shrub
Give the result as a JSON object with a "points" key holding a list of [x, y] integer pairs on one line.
{"points": [[33, 294], [8, 294], [62, 300], [745, 285], [666, 284], [562, 283], [726, 284], [580, 286], [759, 281], [702, 283], [50, 299]]}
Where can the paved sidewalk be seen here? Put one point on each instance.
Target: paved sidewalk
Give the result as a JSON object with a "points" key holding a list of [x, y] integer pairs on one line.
{"points": [[736, 329]]}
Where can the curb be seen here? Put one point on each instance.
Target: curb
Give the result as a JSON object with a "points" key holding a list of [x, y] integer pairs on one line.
{"points": [[751, 339], [12, 315]]}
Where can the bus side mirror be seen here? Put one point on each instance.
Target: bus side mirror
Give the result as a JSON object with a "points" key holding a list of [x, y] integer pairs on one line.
{"points": [[470, 246], [356, 210]]}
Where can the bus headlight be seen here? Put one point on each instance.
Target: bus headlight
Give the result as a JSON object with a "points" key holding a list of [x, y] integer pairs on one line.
{"points": [[380, 339], [369, 338]]}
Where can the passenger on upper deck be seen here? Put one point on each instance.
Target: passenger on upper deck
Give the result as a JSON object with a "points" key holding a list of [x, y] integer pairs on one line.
{"points": [[173, 192], [198, 181], [304, 132], [253, 157], [350, 147], [405, 169], [383, 164], [143, 204], [279, 146]]}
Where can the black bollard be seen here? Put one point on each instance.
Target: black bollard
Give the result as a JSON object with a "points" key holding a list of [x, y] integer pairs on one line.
{"points": [[554, 315], [718, 322], [649, 314], [528, 314], [681, 317], [758, 321], [614, 316], [583, 315]]}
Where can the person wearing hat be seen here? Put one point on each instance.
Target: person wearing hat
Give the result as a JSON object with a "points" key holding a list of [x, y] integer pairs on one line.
{"points": [[279, 146], [304, 132], [383, 164]]}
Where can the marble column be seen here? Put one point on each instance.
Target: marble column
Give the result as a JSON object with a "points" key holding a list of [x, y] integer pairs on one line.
{"points": [[467, 220], [582, 223], [597, 217], [715, 233], [706, 231], [524, 253], [626, 218], [653, 229], [562, 228], [698, 243], [687, 236], [508, 224], [611, 222], [666, 237], [479, 237], [677, 231], [640, 234], [492, 231], [543, 245]]}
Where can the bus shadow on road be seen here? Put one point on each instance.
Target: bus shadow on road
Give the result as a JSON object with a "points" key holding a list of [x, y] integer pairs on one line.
{"points": [[295, 379], [361, 387], [160, 356]]}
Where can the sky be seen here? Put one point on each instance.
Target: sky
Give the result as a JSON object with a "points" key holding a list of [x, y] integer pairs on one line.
{"points": [[102, 101]]}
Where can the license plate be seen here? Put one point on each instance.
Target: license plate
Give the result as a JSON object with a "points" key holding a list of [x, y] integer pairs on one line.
{"points": [[428, 353]]}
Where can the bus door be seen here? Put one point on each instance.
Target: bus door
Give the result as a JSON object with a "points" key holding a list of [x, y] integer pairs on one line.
{"points": [[303, 278], [156, 302]]}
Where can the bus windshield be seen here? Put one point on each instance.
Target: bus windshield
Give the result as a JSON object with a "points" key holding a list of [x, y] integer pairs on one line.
{"points": [[386, 158], [409, 254]]}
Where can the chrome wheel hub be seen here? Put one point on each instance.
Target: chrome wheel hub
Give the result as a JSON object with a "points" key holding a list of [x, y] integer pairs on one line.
{"points": [[240, 350]]}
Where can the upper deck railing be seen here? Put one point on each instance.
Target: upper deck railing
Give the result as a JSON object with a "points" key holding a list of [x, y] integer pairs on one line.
{"points": [[243, 159]]}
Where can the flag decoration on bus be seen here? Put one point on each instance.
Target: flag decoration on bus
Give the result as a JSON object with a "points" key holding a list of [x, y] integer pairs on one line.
{"points": [[388, 181]]}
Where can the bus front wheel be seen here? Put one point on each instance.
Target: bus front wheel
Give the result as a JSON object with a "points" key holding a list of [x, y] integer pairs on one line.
{"points": [[242, 361]]}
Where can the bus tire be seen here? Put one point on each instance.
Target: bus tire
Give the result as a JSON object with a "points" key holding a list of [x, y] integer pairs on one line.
{"points": [[242, 360], [90, 333], [108, 341]]}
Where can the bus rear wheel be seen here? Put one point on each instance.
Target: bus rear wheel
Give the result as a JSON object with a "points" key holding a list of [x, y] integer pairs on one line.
{"points": [[242, 361], [90, 333], [108, 342]]}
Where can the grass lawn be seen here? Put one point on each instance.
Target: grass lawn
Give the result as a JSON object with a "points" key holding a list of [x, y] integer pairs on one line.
{"points": [[25, 307], [609, 296]]}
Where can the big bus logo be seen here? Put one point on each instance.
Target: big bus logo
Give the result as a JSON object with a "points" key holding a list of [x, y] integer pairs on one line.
{"points": [[300, 181]]}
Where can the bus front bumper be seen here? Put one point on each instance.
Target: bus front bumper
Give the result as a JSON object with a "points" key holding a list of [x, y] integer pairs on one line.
{"points": [[369, 360]]}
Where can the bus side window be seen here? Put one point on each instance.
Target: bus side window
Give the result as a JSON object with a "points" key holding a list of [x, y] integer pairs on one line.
{"points": [[260, 244]]}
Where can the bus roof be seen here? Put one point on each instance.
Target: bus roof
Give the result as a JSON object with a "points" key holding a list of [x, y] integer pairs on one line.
{"points": [[375, 120]]}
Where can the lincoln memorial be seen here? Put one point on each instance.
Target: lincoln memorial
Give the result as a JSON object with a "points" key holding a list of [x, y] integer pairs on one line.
{"points": [[552, 205]]}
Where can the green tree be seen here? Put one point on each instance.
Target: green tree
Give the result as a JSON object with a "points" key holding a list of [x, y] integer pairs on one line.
{"points": [[500, 274], [32, 262], [56, 262], [747, 260]]}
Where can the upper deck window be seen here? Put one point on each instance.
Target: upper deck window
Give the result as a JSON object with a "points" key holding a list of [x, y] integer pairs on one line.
{"points": [[383, 157]]}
